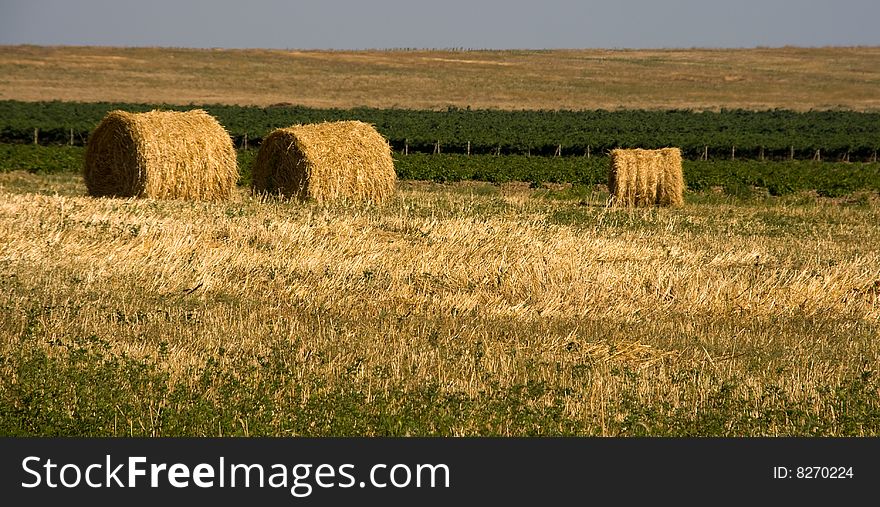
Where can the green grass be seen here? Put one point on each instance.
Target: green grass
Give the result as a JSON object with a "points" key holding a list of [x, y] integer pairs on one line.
{"points": [[84, 389], [746, 179], [40, 159]]}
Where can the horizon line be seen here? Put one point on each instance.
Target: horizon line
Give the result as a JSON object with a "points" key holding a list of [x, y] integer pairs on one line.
{"points": [[448, 49]]}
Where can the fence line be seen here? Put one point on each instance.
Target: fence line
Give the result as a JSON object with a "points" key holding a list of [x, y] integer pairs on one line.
{"points": [[74, 138]]}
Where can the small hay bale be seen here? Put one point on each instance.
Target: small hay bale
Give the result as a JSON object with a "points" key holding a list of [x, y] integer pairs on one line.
{"points": [[330, 161], [646, 177], [161, 155]]}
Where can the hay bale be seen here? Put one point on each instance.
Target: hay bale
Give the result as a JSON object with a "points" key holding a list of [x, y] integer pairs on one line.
{"points": [[330, 161], [162, 155], [646, 177]]}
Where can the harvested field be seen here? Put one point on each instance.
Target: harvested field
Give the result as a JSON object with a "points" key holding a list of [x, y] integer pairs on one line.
{"points": [[766, 78], [453, 310]]}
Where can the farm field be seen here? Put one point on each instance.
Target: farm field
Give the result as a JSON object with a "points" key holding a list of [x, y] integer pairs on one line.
{"points": [[456, 309], [775, 135], [742, 178], [496, 293], [765, 78]]}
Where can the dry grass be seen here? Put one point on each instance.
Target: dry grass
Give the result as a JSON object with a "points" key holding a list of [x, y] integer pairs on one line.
{"points": [[160, 154], [327, 162], [606, 315], [791, 78], [646, 177]]}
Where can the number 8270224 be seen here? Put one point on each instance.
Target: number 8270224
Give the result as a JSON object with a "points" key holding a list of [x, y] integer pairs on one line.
{"points": [[813, 472]]}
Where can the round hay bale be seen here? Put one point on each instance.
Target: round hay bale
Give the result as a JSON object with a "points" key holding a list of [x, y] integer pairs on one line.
{"points": [[162, 155], [330, 161], [646, 177]]}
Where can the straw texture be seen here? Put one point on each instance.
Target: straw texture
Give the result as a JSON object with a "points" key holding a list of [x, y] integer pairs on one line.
{"points": [[161, 155], [646, 177], [327, 162]]}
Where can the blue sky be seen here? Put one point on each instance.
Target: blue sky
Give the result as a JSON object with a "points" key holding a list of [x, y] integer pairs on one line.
{"points": [[495, 24]]}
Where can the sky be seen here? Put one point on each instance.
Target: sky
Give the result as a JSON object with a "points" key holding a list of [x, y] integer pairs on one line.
{"points": [[469, 24]]}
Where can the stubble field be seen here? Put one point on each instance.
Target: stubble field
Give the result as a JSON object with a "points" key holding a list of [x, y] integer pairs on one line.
{"points": [[458, 309], [764, 78]]}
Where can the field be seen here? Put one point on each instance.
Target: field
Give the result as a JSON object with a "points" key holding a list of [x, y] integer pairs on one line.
{"points": [[465, 309], [496, 293], [743, 178], [777, 134], [789, 78]]}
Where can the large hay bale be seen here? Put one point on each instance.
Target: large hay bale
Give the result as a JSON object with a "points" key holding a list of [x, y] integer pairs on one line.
{"points": [[646, 177], [162, 155], [330, 161]]}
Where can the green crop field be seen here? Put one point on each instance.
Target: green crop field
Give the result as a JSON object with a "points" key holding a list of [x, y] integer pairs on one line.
{"points": [[741, 177], [774, 134]]}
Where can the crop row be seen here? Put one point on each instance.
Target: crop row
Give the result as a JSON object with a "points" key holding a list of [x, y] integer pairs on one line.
{"points": [[735, 177], [776, 134]]}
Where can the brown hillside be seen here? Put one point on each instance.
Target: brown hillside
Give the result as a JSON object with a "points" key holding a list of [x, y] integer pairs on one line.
{"points": [[794, 78]]}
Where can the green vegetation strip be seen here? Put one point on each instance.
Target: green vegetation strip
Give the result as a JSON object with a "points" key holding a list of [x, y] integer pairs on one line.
{"points": [[83, 389], [775, 134], [735, 177]]}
